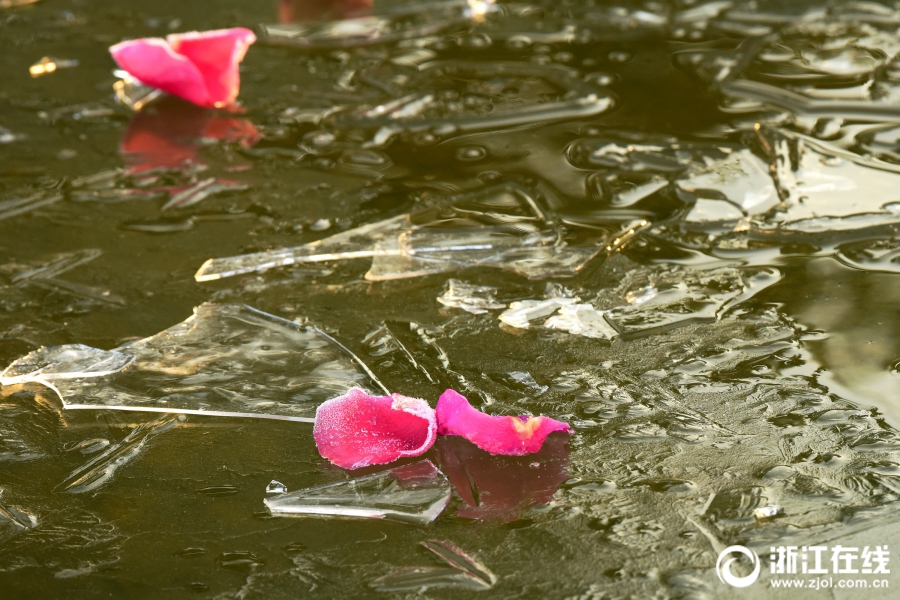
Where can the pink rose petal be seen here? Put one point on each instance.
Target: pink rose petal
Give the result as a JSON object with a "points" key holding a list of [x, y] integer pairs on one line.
{"points": [[357, 430], [512, 436], [200, 67], [217, 55]]}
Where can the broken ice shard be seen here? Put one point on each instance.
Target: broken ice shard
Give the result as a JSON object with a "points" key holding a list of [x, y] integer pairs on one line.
{"points": [[584, 320], [202, 190], [16, 517], [102, 467], [414, 493], [828, 189], [464, 572], [684, 296], [64, 362], [225, 360], [500, 226], [476, 299], [17, 206], [566, 96], [302, 26], [356, 243], [739, 182], [521, 313]]}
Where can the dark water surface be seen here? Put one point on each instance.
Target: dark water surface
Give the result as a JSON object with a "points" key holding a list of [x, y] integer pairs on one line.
{"points": [[694, 204]]}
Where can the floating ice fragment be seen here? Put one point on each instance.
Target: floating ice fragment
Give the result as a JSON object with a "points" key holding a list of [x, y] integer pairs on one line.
{"points": [[200, 67], [527, 379], [641, 295], [356, 243], [742, 179], [64, 362], [582, 319], [426, 252], [391, 24], [464, 573], [225, 360], [102, 467], [8, 137], [572, 98], [240, 561], [830, 189], [767, 512], [17, 206], [521, 313], [276, 487], [17, 517], [357, 430], [60, 263], [476, 299], [132, 93], [684, 296], [415, 493], [202, 190], [513, 436], [500, 226], [49, 65]]}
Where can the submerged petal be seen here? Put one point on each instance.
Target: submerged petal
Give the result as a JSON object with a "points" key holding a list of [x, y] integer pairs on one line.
{"points": [[155, 63], [501, 487], [216, 54], [357, 430], [513, 436]]}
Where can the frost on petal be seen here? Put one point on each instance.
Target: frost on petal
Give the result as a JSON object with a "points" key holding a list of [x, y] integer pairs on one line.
{"points": [[155, 63], [357, 430], [216, 54], [513, 436]]}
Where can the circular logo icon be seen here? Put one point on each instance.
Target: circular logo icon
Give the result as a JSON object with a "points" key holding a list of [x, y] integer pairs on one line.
{"points": [[723, 567]]}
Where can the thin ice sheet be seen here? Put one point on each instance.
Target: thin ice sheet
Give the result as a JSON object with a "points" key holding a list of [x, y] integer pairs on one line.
{"points": [[226, 360]]}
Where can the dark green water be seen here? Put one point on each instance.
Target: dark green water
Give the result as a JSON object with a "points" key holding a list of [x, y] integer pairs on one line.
{"points": [[752, 331]]}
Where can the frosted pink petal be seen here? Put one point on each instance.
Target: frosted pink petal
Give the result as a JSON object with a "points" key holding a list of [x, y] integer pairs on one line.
{"points": [[200, 67], [357, 430], [512, 436], [156, 64], [216, 54]]}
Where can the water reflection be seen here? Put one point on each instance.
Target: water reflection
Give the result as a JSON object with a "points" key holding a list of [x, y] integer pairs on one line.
{"points": [[501, 487], [170, 133], [294, 11], [861, 345]]}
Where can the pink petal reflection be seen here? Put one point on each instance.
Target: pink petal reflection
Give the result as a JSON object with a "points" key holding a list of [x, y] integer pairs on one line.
{"points": [[200, 67], [292, 11], [500, 487], [357, 430], [169, 133], [513, 436]]}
